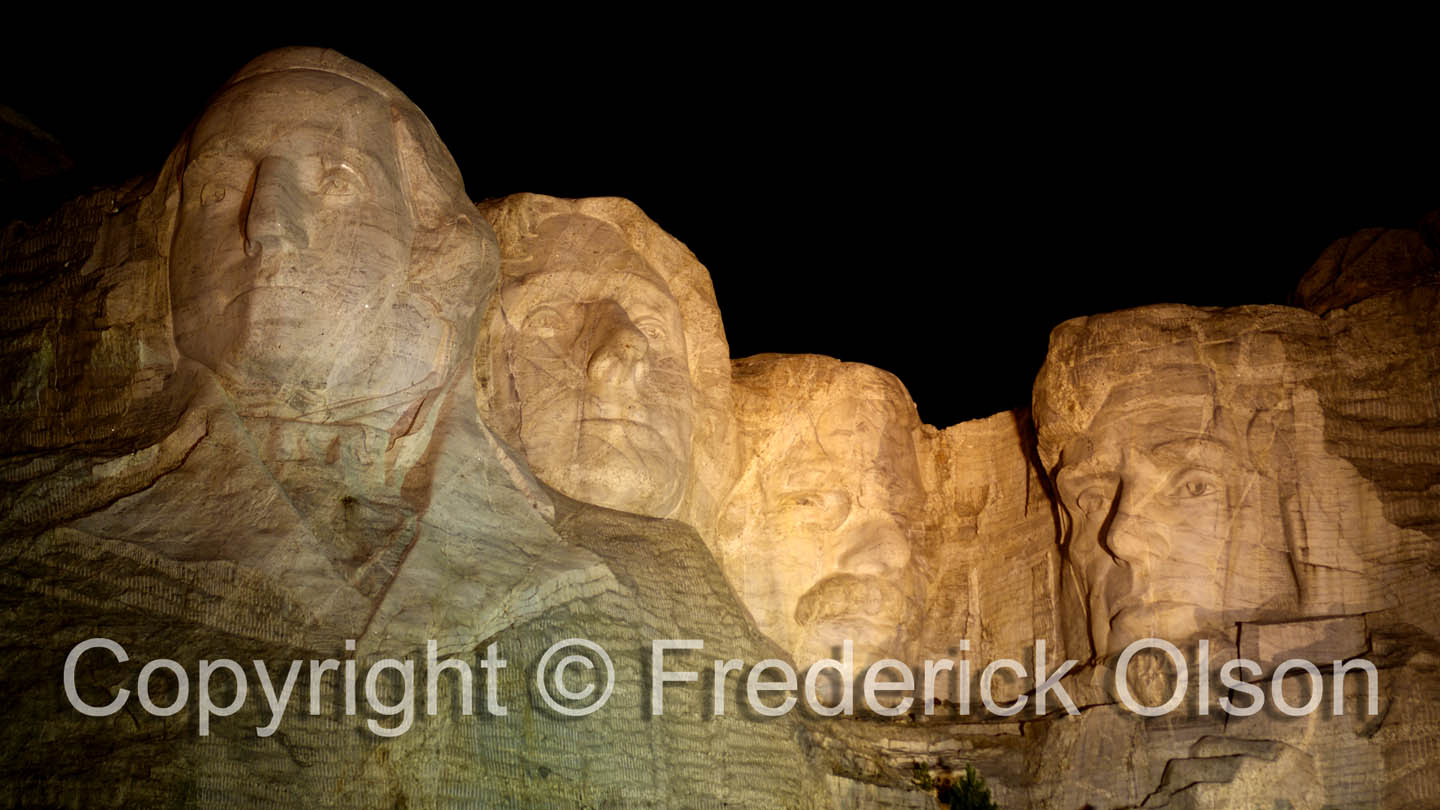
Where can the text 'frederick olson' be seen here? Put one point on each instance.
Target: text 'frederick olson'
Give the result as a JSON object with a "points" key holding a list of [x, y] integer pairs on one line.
{"points": [[576, 677]]}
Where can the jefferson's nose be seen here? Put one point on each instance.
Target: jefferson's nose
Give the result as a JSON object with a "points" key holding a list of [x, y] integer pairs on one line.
{"points": [[620, 352], [278, 210]]}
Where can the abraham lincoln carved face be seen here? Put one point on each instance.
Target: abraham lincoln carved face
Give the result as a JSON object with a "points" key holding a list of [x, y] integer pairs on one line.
{"points": [[1168, 433]]}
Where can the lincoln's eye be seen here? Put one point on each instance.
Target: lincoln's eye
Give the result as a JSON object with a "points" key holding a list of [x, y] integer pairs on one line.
{"points": [[1196, 484]]}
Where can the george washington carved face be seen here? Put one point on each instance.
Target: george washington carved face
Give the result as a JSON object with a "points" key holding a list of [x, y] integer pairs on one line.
{"points": [[318, 261]]}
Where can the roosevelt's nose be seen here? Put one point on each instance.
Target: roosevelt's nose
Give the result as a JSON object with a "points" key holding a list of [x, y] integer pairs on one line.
{"points": [[620, 351], [278, 210], [875, 546]]}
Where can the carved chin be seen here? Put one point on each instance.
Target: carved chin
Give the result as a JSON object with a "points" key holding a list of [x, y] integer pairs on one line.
{"points": [[629, 487], [630, 473], [1175, 622]]}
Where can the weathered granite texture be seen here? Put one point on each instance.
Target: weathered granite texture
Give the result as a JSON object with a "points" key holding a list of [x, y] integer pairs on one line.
{"points": [[299, 391], [252, 433]]}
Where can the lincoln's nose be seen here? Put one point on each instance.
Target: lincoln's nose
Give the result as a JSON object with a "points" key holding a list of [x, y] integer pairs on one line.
{"points": [[278, 210], [1130, 535]]}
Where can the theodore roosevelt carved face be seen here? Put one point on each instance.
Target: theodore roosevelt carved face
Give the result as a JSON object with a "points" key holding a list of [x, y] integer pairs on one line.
{"points": [[817, 535]]}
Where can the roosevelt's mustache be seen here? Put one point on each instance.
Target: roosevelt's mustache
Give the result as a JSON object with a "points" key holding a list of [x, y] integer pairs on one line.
{"points": [[842, 595]]}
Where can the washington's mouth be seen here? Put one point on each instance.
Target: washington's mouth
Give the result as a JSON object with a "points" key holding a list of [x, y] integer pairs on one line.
{"points": [[266, 289], [621, 422]]}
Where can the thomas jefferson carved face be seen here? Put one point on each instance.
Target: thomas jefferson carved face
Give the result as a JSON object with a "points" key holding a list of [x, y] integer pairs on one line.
{"points": [[817, 536], [596, 354], [295, 270], [1173, 533]]}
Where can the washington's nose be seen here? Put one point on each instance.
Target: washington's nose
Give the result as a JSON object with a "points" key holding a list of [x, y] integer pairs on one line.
{"points": [[276, 216], [620, 352]]}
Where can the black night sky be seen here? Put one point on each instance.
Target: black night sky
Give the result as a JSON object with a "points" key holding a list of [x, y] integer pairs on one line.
{"points": [[930, 210]]}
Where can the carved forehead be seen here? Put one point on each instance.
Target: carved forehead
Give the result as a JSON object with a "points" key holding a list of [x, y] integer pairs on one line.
{"points": [[317, 71], [303, 116], [1245, 359], [576, 249], [269, 106], [844, 415], [585, 260], [816, 385]]}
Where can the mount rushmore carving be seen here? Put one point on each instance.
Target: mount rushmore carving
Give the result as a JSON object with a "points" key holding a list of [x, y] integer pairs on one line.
{"points": [[299, 397]]}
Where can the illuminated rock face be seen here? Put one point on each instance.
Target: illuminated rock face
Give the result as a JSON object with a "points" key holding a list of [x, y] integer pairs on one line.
{"points": [[606, 363], [1188, 448], [817, 533], [1261, 479], [325, 266], [267, 443], [243, 421]]}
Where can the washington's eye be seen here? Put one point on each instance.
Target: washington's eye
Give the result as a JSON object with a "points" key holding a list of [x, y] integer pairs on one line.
{"points": [[341, 181], [653, 332], [1093, 501], [1197, 488]]}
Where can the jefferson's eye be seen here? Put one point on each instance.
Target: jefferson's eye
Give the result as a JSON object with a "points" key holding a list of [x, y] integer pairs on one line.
{"points": [[1093, 501]]}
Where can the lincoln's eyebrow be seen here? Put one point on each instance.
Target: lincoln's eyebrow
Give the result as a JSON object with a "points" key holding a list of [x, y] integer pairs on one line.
{"points": [[1194, 449], [1073, 478]]}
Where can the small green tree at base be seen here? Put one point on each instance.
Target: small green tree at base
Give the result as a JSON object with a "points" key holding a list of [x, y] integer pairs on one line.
{"points": [[968, 793]]}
